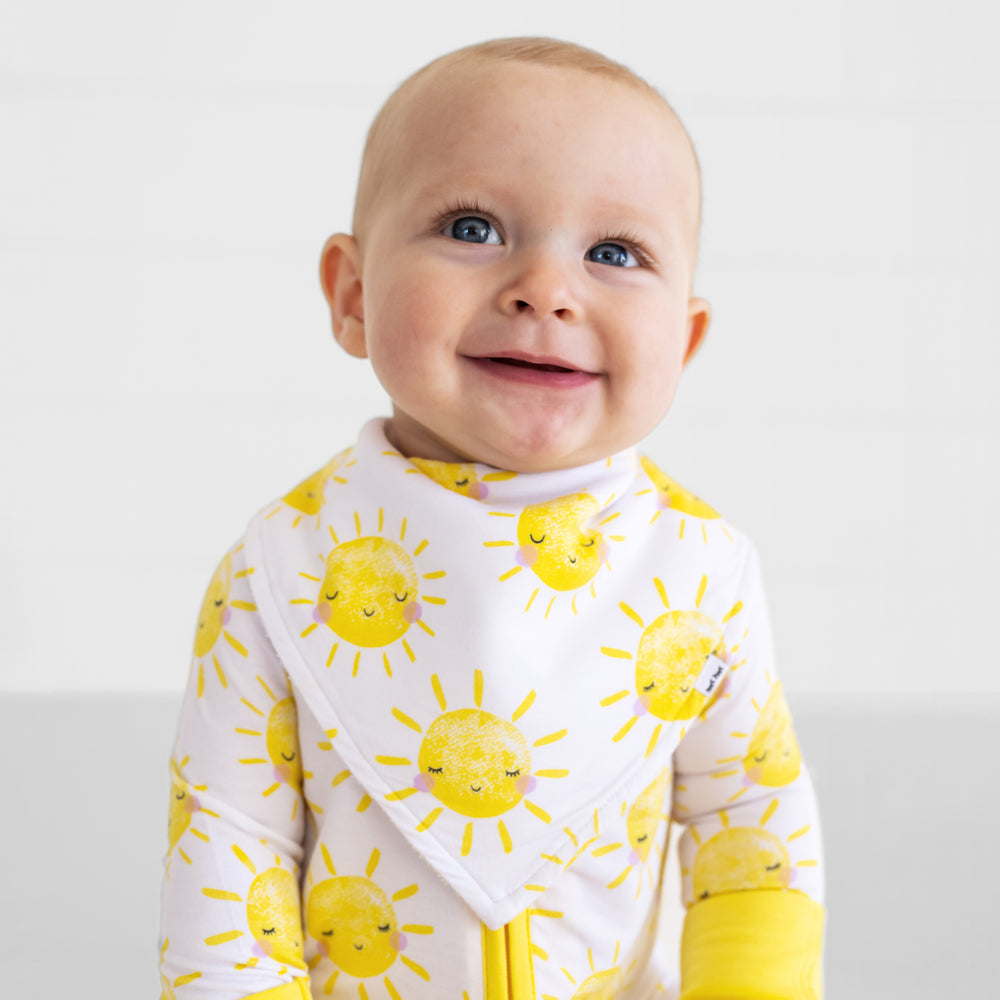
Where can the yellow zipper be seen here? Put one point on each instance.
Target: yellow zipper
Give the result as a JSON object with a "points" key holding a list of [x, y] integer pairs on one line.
{"points": [[507, 970]]}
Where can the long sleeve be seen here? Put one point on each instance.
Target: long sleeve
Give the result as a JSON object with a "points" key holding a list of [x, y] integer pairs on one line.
{"points": [[231, 919], [750, 851]]}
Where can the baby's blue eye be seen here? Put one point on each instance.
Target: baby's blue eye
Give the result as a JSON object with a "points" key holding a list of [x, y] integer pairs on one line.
{"points": [[473, 229], [612, 253]]}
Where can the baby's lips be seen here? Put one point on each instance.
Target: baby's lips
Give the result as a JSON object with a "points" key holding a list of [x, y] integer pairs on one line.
{"points": [[412, 612], [321, 613], [527, 555]]}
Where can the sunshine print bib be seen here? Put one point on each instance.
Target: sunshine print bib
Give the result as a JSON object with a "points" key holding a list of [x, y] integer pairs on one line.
{"points": [[501, 659]]}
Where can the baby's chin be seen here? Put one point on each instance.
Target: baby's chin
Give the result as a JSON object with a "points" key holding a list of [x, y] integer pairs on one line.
{"points": [[537, 451]]}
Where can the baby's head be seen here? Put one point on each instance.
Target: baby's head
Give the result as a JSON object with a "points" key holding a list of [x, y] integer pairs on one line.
{"points": [[524, 247]]}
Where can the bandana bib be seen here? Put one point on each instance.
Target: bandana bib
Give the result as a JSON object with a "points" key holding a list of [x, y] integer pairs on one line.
{"points": [[499, 659]]}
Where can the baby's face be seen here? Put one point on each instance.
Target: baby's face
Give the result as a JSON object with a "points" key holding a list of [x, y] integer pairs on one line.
{"points": [[527, 265]]}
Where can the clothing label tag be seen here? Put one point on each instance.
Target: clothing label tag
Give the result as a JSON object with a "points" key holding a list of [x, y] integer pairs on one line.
{"points": [[711, 675]]}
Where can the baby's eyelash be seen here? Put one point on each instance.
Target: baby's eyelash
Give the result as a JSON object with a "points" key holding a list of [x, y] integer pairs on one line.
{"points": [[632, 242], [458, 210]]}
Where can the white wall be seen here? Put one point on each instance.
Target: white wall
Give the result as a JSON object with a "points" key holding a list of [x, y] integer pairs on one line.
{"points": [[170, 172]]}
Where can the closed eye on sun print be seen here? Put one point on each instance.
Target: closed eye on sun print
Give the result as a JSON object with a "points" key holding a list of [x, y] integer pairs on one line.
{"points": [[562, 544], [280, 741], [308, 498], [353, 926], [216, 613], [272, 915], [671, 658], [475, 763], [370, 594]]}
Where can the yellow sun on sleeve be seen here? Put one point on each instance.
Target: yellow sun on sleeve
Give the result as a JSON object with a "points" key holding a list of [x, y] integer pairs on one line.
{"points": [[272, 911], [280, 738], [739, 858], [184, 803], [214, 617], [167, 987], [369, 595], [680, 663]]}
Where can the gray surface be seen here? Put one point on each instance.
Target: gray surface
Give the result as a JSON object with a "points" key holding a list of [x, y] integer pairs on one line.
{"points": [[909, 819]]}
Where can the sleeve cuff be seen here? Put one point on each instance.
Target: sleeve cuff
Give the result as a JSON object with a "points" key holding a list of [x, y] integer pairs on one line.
{"points": [[755, 945], [297, 989]]}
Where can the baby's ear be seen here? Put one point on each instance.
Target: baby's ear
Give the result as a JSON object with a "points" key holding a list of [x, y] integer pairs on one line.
{"points": [[340, 275], [699, 314]]}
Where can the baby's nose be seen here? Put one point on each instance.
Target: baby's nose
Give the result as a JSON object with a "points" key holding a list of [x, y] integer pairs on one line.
{"points": [[542, 285]]}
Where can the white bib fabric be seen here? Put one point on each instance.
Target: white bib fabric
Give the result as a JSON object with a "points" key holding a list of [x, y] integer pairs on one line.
{"points": [[500, 659]]}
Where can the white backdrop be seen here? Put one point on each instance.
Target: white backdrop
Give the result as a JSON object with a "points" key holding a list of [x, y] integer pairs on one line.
{"points": [[170, 172]]}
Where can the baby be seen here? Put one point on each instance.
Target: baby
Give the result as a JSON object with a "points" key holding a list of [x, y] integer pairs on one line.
{"points": [[448, 692]]}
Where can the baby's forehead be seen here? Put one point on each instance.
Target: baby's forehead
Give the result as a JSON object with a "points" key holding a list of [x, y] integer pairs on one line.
{"points": [[452, 93]]}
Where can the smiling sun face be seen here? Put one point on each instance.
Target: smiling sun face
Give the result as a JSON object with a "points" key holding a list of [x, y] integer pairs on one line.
{"points": [[214, 612], [773, 757], [353, 922], [354, 925], [368, 594], [672, 652], [740, 858], [309, 497], [644, 816], [475, 763], [745, 857], [272, 914], [680, 663], [281, 740], [555, 543]]}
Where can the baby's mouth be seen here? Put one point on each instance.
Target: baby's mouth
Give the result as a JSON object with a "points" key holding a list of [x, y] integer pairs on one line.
{"points": [[531, 364]]}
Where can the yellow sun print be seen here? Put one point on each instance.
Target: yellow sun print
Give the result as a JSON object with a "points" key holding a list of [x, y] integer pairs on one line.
{"points": [[740, 858], [309, 497], [272, 915], [166, 986], [281, 741], [599, 983], [641, 824], [353, 922], [773, 757], [670, 495], [369, 594], [183, 805], [215, 614], [560, 541], [474, 763], [459, 477], [680, 662]]}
